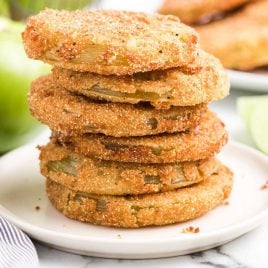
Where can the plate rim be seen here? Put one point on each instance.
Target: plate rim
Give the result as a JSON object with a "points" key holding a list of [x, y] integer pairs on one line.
{"points": [[248, 81], [249, 74], [32, 229]]}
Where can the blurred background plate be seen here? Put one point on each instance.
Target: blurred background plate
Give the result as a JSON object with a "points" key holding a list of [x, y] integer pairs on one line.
{"points": [[137, 5], [250, 81]]}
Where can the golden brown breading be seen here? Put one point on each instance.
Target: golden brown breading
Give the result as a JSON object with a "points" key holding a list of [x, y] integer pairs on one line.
{"points": [[202, 142], [193, 11], [89, 175], [143, 210], [109, 42], [72, 114], [241, 40], [200, 82]]}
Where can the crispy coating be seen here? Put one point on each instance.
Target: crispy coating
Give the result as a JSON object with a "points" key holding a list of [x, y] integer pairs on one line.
{"points": [[89, 175], [200, 82], [71, 114], [241, 40], [109, 42], [143, 210], [202, 142], [194, 11]]}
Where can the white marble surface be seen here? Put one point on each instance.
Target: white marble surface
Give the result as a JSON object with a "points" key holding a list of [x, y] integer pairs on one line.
{"points": [[248, 251]]}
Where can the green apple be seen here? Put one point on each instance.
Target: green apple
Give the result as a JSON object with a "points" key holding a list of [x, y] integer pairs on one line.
{"points": [[4, 8], [247, 104], [254, 111], [16, 74], [259, 126], [21, 9]]}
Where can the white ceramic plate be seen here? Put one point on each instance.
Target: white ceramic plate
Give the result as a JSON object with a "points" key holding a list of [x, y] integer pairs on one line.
{"points": [[251, 81], [22, 190]]}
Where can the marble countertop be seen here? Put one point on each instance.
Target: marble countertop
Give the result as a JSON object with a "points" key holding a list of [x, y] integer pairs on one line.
{"points": [[249, 250]]}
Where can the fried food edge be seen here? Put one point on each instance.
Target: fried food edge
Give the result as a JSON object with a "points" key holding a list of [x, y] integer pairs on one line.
{"points": [[143, 210], [99, 41]]}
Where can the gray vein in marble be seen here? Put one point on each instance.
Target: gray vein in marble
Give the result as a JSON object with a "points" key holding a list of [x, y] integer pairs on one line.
{"points": [[216, 258]]}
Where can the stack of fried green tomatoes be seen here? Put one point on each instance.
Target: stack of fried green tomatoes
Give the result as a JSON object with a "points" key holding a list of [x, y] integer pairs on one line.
{"points": [[133, 142]]}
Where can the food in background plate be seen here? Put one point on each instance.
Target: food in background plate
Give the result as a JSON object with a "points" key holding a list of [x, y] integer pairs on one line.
{"points": [[239, 37], [240, 41], [195, 11]]}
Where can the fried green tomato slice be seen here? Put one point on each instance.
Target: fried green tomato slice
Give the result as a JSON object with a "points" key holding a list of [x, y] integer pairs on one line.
{"points": [[192, 11], [203, 81], [240, 41], [101, 177], [72, 114], [109, 42], [135, 211], [201, 142]]}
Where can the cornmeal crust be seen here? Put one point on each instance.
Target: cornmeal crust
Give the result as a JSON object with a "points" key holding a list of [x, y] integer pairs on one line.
{"points": [[143, 210], [72, 114], [89, 175], [109, 42], [203, 81], [202, 142]]}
